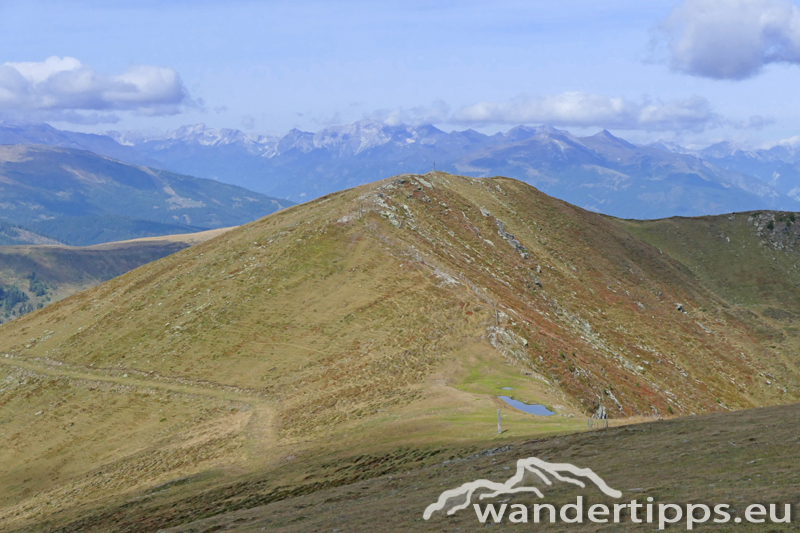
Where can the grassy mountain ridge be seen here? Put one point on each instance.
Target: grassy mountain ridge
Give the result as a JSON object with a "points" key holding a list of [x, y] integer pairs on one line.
{"points": [[91, 230], [86, 230], [748, 258], [390, 314]]}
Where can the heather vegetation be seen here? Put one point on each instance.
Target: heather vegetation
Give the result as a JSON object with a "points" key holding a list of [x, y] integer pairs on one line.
{"points": [[383, 318]]}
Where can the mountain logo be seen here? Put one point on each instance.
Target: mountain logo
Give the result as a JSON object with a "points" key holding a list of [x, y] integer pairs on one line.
{"points": [[531, 465]]}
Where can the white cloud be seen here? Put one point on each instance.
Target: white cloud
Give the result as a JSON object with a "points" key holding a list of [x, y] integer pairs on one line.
{"points": [[64, 87], [437, 113], [580, 109], [731, 39], [791, 142], [248, 122], [39, 72]]}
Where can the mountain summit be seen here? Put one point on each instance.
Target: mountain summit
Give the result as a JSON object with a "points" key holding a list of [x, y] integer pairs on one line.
{"points": [[392, 313]]}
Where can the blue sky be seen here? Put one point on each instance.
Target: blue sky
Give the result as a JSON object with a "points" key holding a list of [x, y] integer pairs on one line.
{"points": [[694, 71]]}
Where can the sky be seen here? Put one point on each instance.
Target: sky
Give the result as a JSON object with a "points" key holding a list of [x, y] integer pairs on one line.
{"points": [[688, 71]]}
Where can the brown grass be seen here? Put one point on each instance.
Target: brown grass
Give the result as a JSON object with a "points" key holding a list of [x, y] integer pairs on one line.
{"points": [[391, 314]]}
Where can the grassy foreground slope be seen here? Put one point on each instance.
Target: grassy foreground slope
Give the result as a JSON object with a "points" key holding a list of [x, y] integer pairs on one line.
{"points": [[736, 458], [388, 315]]}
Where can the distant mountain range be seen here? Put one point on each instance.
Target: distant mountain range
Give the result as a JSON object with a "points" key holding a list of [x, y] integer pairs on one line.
{"points": [[301, 165], [80, 198], [602, 172], [778, 166], [47, 135]]}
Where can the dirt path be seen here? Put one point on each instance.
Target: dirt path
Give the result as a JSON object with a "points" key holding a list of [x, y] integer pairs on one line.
{"points": [[135, 380]]}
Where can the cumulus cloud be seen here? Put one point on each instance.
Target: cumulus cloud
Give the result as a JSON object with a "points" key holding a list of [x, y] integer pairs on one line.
{"points": [[580, 109], [66, 88], [731, 39]]}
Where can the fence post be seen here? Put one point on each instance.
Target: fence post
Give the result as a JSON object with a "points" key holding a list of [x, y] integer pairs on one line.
{"points": [[499, 427]]}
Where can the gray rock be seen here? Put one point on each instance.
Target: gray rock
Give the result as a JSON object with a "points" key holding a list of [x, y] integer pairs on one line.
{"points": [[508, 237]]}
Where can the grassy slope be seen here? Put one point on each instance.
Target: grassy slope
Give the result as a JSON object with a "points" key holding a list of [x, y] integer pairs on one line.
{"points": [[386, 315], [748, 259], [91, 230], [735, 458], [739, 256], [73, 269]]}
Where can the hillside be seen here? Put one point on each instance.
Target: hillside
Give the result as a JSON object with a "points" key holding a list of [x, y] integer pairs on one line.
{"points": [[41, 275], [748, 258], [80, 198], [733, 458], [390, 315], [15, 234], [44, 134]]}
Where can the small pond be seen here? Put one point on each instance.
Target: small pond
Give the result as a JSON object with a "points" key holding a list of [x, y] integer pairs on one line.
{"points": [[534, 409]]}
